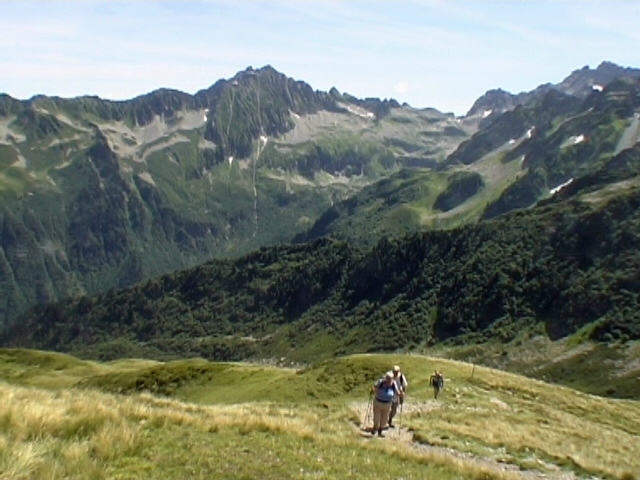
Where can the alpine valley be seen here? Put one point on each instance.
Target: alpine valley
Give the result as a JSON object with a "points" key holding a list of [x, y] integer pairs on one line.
{"points": [[261, 219]]}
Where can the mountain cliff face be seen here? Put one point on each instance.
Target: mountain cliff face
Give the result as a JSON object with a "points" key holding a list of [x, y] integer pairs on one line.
{"points": [[97, 194], [580, 83]]}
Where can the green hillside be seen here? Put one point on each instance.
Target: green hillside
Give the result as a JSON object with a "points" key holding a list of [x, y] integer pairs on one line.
{"points": [[65, 418], [567, 268]]}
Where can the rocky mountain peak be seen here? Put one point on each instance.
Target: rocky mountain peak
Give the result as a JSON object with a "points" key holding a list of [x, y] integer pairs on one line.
{"points": [[583, 81], [580, 83]]}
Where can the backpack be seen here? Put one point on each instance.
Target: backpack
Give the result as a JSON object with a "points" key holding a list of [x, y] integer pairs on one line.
{"points": [[437, 381]]}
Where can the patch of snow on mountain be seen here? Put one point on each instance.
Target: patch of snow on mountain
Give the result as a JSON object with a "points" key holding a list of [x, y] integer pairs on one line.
{"points": [[576, 139], [555, 190], [361, 112], [529, 133], [486, 113], [597, 88]]}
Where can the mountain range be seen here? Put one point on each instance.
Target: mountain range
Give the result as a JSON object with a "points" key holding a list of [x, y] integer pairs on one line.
{"points": [[436, 227], [96, 194]]}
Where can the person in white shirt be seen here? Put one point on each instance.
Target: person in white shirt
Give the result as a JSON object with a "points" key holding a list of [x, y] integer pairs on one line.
{"points": [[401, 382]]}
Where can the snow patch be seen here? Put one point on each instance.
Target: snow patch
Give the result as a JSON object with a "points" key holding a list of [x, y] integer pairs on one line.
{"points": [[486, 113], [230, 159], [361, 112], [529, 133], [263, 139], [555, 190], [512, 141], [597, 88], [576, 139]]}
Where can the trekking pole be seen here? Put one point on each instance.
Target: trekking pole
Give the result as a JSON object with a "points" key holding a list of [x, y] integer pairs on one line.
{"points": [[400, 418], [367, 413]]}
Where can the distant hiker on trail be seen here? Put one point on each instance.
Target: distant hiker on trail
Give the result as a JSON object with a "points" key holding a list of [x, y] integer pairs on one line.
{"points": [[437, 382], [402, 384], [384, 389]]}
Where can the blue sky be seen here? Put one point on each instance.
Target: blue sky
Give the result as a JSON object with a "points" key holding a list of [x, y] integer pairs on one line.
{"points": [[428, 53]]}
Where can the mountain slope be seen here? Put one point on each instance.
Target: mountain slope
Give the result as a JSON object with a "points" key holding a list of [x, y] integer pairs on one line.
{"points": [[523, 156], [566, 266], [96, 194]]}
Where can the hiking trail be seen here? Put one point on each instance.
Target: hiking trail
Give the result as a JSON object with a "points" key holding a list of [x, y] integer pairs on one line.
{"points": [[404, 435]]}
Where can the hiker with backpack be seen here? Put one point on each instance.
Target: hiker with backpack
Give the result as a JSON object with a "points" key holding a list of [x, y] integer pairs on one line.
{"points": [[401, 382], [384, 391], [437, 382]]}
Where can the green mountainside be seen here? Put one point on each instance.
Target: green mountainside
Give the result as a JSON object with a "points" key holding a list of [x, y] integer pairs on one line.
{"points": [[565, 268], [162, 227], [519, 158], [97, 194]]}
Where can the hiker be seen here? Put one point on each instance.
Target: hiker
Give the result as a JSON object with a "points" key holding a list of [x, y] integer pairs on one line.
{"points": [[437, 382], [384, 389], [401, 382]]}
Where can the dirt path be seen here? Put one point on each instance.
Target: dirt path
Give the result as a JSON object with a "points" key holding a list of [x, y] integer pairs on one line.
{"points": [[404, 435]]}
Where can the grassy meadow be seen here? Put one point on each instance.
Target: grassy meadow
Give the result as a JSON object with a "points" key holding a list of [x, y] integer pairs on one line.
{"points": [[63, 418]]}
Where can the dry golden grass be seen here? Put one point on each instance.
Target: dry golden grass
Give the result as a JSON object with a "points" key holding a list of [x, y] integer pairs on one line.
{"points": [[79, 434], [64, 434], [523, 420], [482, 427], [79, 431]]}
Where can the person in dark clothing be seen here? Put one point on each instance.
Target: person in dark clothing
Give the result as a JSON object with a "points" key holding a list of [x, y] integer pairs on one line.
{"points": [[437, 383]]}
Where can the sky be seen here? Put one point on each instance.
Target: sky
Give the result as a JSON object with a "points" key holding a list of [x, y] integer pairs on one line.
{"points": [[441, 54]]}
